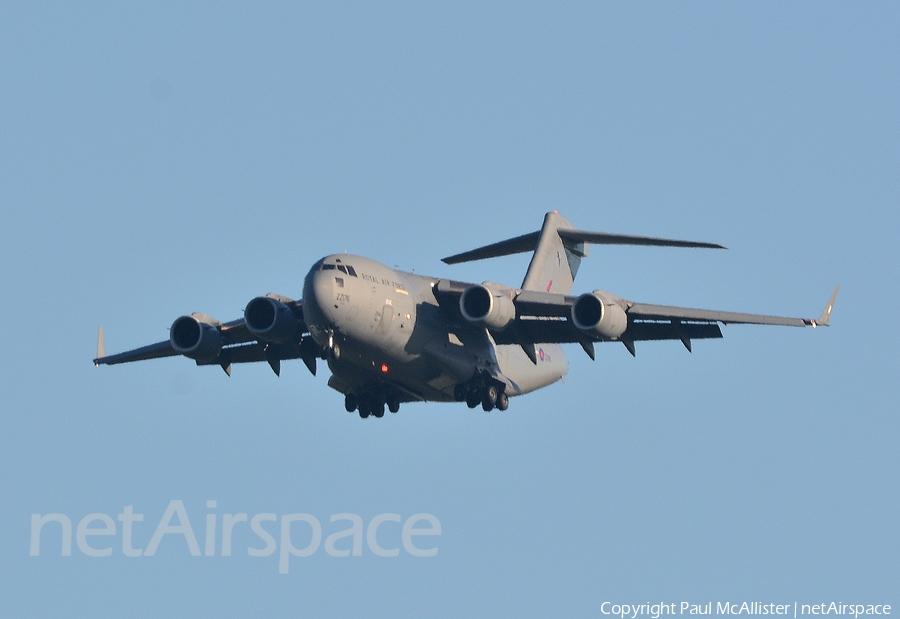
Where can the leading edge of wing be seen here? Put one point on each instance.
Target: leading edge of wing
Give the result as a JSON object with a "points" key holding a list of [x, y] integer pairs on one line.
{"points": [[151, 351], [665, 312], [234, 332]]}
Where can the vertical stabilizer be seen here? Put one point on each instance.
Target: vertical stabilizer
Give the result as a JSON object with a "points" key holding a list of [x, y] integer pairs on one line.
{"points": [[556, 260]]}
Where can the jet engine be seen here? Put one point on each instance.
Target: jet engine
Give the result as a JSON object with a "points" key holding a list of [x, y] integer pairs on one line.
{"points": [[487, 307], [270, 320], [599, 314], [196, 336]]}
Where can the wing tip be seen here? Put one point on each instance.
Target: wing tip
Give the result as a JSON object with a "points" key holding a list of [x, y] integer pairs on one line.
{"points": [[101, 346], [826, 313], [822, 321]]}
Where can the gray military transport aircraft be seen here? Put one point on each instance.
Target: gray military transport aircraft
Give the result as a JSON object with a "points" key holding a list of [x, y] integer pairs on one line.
{"points": [[391, 337]]}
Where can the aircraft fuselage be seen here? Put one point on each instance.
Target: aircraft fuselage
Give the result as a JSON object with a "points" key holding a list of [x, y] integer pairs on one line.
{"points": [[384, 329]]}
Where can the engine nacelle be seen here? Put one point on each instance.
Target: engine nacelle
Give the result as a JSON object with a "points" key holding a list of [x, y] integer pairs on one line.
{"points": [[196, 336], [483, 306], [270, 320], [598, 314]]}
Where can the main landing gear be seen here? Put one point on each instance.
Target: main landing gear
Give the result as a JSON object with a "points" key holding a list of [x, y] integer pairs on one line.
{"points": [[372, 403], [489, 394]]}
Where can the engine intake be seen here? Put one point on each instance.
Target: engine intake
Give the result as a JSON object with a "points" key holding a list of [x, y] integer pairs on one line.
{"points": [[196, 337], [599, 314], [483, 306], [270, 320]]}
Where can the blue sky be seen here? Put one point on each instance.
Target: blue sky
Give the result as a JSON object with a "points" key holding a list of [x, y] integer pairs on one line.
{"points": [[160, 160]]}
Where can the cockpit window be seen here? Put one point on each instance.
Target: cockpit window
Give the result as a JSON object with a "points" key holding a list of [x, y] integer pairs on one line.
{"points": [[349, 270]]}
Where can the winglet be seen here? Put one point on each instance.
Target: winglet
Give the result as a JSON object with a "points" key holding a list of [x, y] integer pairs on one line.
{"points": [[826, 314], [101, 346]]}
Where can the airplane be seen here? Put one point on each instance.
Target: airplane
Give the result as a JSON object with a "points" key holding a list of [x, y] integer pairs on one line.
{"points": [[391, 337]]}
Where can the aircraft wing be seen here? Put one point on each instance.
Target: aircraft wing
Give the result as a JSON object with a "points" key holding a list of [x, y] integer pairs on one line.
{"points": [[234, 332], [152, 351], [543, 317], [238, 345]]}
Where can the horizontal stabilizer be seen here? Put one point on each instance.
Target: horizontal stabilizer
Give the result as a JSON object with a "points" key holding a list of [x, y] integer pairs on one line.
{"points": [[528, 242], [517, 245], [604, 238]]}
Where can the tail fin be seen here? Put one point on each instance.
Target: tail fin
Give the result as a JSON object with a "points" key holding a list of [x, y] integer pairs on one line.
{"points": [[556, 259], [554, 263], [558, 249]]}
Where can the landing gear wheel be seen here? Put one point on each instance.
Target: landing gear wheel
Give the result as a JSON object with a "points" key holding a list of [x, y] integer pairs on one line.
{"points": [[393, 403], [333, 353], [378, 410], [502, 401], [472, 398], [364, 406], [490, 398], [350, 402]]}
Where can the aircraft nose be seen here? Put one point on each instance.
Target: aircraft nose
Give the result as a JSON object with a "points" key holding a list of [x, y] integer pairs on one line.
{"points": [[323, 283], [318, 290]]}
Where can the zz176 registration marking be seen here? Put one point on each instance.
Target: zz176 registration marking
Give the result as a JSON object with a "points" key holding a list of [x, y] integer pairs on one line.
{"points": [[343, 298]]}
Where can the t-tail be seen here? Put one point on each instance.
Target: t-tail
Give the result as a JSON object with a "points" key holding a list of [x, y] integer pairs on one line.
{"points": [[558, 249]]}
